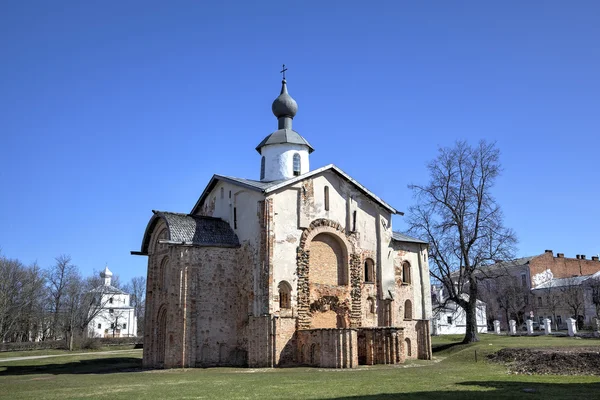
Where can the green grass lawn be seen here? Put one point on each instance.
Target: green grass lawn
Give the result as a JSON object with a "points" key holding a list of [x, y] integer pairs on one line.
{"points": [[453, 374]]}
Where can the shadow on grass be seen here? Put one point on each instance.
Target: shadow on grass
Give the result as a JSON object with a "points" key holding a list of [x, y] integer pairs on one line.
{"points": [[442, 347], [93, 366], [499, 390]]}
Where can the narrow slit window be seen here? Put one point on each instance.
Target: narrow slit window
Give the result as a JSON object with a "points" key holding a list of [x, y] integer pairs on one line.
{"points": [[326, 195], [234, 217], [262, 168], [296, 164], [285, 294], [369, 270], [222, 193], [406, 273], [354, 221]]}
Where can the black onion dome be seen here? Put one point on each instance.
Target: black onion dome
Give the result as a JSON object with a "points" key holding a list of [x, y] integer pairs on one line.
{"points": [[284, 105]]}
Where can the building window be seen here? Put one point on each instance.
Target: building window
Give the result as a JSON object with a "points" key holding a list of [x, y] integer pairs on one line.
{"points": [[558, 320], [407, 309], [124, 326], [99, 326], [262, 168], [285, 295], [408, 349], [539, 301], [326, 197], [110, 300], [406, 273], [112, 326], [296, 164], [234, 217], [371, 305], [449, 319], [524, 280], [222, 193], [369, 270], [354, 221], [111, 311]]}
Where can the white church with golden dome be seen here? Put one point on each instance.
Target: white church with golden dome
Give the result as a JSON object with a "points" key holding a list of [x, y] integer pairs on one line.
{"points": [[298, 267]]}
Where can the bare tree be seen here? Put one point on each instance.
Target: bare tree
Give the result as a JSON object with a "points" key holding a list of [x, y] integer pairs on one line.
{"points": [[572, 295], [137, 290], [594, 285], [512, 298], [457, 215], [59, 277]]}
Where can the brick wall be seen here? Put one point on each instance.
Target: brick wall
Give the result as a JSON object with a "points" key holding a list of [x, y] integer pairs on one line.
{"points": [[562, 267]]}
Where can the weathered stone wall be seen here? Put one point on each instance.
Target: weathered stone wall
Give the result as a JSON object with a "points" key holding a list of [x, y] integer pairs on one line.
{"points": [[217, 306], [380, 346], [328, 348], [260, 335], [285, 342]]}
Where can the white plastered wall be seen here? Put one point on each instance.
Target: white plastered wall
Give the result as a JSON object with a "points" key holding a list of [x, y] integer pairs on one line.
{"points": [[279, 160], [373, 225]]}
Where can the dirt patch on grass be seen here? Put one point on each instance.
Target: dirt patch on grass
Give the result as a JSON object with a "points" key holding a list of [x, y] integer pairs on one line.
{"points": [[553, 361]]}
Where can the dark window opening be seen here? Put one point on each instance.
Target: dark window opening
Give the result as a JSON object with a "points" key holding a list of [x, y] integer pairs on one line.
{"points": [[449, 320], [296, 164], [262, 168], [234, 217], [326, 195], [406, 273], [354, 221], [407, 309], [369, 270]]}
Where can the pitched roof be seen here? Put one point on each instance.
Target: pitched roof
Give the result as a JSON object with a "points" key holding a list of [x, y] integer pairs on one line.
{"points": [[400, 237], [284, 136], [108, 289], [191, 230], [269, 187], [561, 282]]}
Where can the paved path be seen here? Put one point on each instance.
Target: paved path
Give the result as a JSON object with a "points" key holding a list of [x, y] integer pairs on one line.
{"points": [[89, 353]]}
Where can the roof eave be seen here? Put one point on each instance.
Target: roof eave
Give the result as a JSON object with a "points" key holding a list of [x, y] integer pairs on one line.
{"points": [[212, 183]]}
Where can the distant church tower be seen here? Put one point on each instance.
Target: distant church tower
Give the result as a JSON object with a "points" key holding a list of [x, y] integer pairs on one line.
{"points": [[284, 152], [106, 275]]}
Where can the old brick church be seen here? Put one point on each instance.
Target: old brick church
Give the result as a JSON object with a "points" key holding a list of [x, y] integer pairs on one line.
{"points": [[300, 267]]}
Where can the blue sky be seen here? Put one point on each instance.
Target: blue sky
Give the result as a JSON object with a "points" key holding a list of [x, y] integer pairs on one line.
{"points": [[111, 109]]}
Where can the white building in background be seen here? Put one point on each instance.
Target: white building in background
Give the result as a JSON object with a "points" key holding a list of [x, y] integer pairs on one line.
{"points": [[448, 318], [116, 317]]}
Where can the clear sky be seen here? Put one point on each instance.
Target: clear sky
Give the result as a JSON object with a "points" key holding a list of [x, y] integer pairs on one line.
{"points": [[111, 109]]}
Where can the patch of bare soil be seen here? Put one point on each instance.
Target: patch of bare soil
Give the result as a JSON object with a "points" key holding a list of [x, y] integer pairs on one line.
{"points": [[553, 361]]}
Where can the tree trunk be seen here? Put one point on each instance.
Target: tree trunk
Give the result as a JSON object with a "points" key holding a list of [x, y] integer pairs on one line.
{"points": [[471, 315]]}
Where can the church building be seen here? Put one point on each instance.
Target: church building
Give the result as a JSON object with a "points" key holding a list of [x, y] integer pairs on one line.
{"points": [[299, 267]]}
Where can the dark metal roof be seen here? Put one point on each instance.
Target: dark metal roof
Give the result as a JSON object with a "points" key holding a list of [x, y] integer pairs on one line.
{"points": [[400, 237], [284, 136], [192, 230]]}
